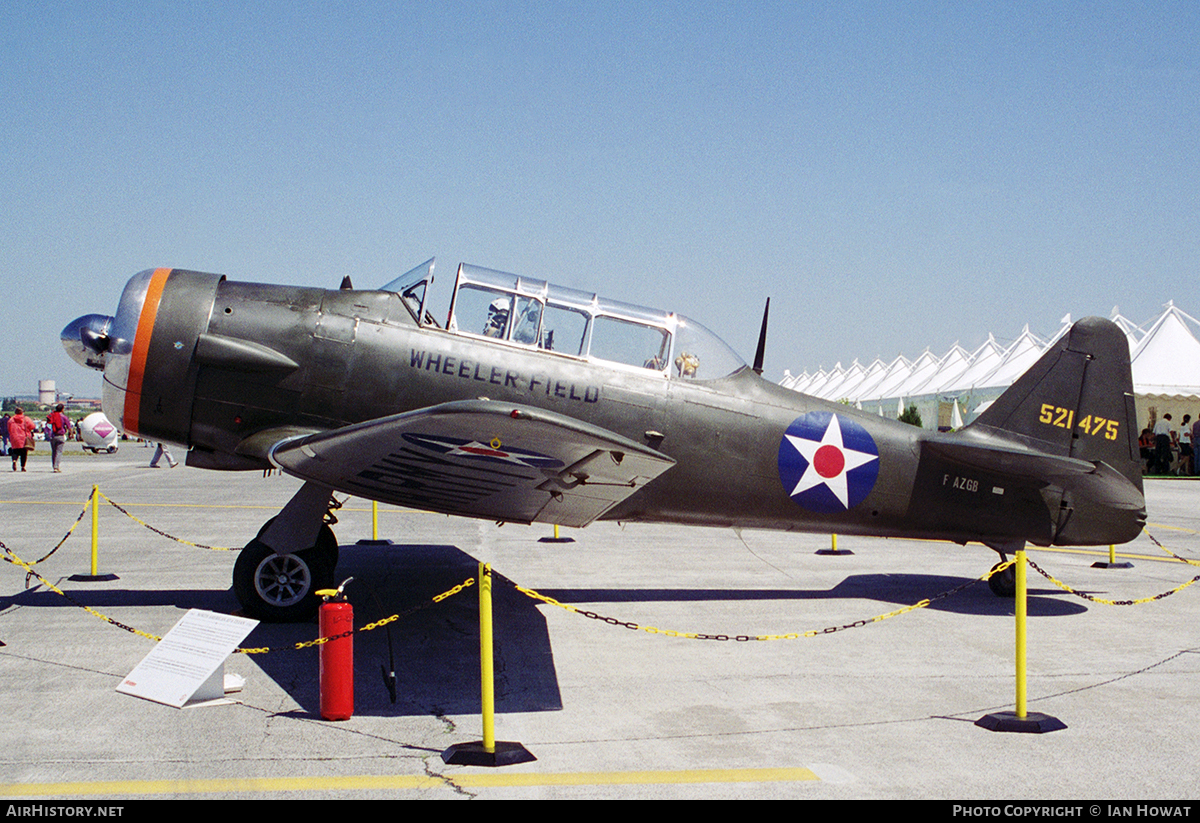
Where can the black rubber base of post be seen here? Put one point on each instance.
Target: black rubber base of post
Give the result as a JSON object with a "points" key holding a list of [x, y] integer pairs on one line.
{"points": [[831, 551], [369, 542], [507, 753], [1031, 723], [1104, 564], [93, 578], [556, 539]]}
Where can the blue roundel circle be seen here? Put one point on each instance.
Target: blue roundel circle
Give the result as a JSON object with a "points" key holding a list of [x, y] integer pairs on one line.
{"points": [[828, 463]]}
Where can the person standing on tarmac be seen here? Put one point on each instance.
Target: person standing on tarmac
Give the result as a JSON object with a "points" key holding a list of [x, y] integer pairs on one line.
{"points": [[20, 434], [162, 451], [57, 435]]}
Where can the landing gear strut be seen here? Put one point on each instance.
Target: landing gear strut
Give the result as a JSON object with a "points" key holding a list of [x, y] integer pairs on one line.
{"points": [[278, 583]]}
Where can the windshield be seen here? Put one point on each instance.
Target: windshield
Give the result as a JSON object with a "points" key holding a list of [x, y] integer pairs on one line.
{"points": [[413, 287]]}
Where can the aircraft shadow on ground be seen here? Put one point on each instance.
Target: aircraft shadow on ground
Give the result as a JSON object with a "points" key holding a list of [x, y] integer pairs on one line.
{"points": [[894, 589], [436, 649]]}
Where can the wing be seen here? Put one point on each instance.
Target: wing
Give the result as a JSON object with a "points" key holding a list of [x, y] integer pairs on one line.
{"points": [[478, 458]]}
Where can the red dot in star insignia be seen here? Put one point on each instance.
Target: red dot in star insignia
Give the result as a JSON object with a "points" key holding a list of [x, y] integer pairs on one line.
{"points": [[829, 461]]}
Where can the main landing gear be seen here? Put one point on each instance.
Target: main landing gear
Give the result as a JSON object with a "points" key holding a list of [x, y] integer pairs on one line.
{"points": [[294, 555]]}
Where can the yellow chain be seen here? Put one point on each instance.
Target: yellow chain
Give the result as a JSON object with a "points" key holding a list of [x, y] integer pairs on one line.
{"points": [[136, 519], [1137, 602], [12, 558], [308, 644], [791, 636]]}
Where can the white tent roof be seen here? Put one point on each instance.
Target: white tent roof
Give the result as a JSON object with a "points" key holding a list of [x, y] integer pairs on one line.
{"points": [[923, 369], [1126, 325], [953, 364], [897, 373], [848, 387], [1167, 360], [984, 361], [1022, 354], [876, 373]]}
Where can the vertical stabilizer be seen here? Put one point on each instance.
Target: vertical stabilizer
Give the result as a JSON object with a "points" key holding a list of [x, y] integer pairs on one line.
{"points": [[1077, 401]]}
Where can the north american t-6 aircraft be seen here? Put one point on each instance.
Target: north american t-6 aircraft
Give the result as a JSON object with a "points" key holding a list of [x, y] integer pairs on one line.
{"points": [[538, 403]]}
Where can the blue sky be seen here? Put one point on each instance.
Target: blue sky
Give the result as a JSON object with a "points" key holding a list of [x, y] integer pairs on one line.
{"points": [[893, 175]]}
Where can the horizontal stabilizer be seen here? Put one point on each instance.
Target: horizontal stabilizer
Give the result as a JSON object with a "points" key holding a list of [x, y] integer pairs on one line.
{"points": [[1099, 481], [478, 458]]}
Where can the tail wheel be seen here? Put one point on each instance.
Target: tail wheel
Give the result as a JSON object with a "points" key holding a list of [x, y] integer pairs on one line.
{"points": [[1003, 584], [281, 588]]}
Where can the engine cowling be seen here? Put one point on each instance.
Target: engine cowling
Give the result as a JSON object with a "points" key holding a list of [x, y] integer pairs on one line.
{"points": [[146, 350]]}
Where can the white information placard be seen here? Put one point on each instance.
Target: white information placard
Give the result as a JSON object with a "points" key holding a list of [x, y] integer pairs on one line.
{"points": [[187, 666]]}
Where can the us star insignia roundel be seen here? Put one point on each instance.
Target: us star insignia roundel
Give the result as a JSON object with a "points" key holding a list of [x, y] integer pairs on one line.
{"points": [[828, 463]]}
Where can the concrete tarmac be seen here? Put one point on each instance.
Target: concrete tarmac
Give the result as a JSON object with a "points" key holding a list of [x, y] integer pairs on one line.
{"points": [[881, 710]]}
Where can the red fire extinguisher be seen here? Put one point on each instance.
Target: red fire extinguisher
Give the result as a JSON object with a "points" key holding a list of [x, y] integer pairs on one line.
{"points": [[336, 617]]}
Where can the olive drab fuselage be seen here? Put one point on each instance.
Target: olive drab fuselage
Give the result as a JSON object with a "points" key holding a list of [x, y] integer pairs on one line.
{"points": [[218, 366]]}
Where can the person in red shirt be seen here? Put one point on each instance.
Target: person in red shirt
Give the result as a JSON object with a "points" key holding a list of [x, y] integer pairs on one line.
{"points": [[58, 425], [20, 433]]}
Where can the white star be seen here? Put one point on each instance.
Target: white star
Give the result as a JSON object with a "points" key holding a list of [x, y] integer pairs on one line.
{"points": [[829, 473]]}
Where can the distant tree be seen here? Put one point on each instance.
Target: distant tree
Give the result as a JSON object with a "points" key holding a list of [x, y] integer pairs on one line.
{"points": [[911, 416], [8, 404]]}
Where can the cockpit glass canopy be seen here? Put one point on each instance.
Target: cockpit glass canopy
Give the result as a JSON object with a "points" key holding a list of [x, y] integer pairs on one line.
{"points": [[532, 313]]}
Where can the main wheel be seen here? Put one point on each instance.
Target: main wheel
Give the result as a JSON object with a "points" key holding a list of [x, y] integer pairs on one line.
{"points": [[281, 588], [1004, 584]]}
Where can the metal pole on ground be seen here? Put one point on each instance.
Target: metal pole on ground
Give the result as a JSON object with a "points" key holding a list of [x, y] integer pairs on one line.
{"points": [[556, 538], [489, 751], [1020, 720], [95, 528], [95, 575], [833, 549], [1112, 561], [375, 541]]}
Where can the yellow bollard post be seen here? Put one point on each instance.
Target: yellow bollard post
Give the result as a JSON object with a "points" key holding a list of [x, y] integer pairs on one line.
{"points": [[95, 529], [833, 547], [556, 538], [487, 752], [1020, 720], [374, 541], [487, 692], [1112, 560], [94, 573], [1021, 613]]}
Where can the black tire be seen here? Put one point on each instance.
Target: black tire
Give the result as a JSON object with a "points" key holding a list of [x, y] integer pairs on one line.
{"points": [[281, 588], [327, 544], [1004, 584]]}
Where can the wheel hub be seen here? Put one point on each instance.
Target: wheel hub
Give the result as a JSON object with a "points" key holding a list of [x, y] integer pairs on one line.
{"points": [[282, 580]]}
